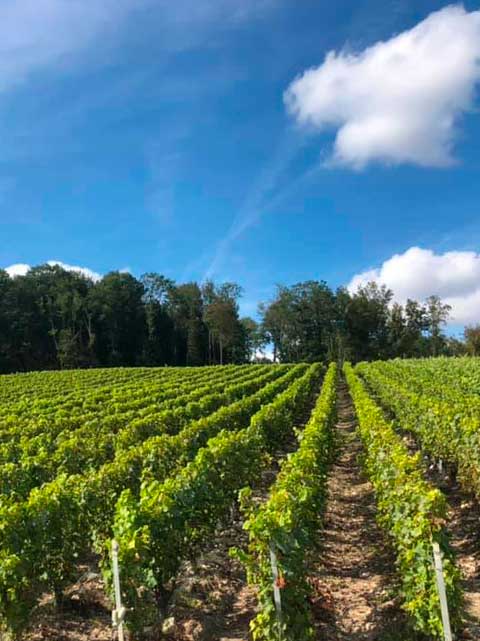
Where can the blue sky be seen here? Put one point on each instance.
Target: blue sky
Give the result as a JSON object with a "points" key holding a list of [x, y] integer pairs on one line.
{"points": [[185, 138]]}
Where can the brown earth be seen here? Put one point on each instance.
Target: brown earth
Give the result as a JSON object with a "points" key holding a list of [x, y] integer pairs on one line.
{"points": [[85, 613], [354, 574]]}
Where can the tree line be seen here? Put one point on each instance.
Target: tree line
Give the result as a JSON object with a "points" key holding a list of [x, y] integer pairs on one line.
{"points": [[53, 318], [309, 321]]}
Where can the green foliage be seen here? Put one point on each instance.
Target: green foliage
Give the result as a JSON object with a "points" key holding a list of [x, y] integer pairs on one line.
{"points": [[44, 533], [411, 511], [289, 522], [171, 519], [158, 456], [309, 321], [437, 400], [52, 317], [472, 339], [102, 434]]}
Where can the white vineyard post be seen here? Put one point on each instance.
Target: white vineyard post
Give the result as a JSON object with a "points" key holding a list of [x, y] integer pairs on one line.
{"points": [[118, 613], [437, 562], [276, 590]]}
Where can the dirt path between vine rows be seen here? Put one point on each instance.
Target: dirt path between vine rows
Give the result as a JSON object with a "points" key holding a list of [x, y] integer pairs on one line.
{"points": [[462, 524], [354, 572]]}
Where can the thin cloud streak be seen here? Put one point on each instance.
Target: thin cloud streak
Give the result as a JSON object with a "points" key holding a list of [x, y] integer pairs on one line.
{"points": [[40, 35], [257, 201]]}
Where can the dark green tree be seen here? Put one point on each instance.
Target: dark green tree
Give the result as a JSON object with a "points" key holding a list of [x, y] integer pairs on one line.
{"points": [[437, 314], [254, 339], [117, 303], [160, 331], [366, 320]]}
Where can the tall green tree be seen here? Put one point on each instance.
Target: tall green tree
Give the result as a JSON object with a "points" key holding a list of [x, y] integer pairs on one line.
{"points": [[117, 301], [190, 331], [55, 318], [366, 319], [254, 339], [437, 314], [159, 293], [221, 315]]}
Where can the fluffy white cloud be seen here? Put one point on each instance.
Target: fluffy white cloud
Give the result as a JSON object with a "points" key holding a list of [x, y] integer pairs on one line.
{"points": [[20, 269], [398, 101], [419, 273], [85, 271]]}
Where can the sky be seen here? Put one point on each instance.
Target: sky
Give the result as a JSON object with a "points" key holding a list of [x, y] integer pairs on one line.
{"points": [[259, 141]]}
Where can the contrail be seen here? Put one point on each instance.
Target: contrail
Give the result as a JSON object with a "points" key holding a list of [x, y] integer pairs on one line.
{"points": [[257, 201]]}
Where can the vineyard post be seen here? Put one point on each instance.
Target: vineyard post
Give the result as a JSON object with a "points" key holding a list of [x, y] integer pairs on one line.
{"points": [[276, 590], [118, 613], [437, 561]]}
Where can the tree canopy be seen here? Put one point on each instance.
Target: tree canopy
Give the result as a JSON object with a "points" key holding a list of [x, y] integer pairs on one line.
{"points": [[53, 318], [309, 321]]}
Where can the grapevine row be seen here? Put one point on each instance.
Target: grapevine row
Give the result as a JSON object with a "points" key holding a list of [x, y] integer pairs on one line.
{"points": [[288, 523], [445, 430], [135, 394], [172, 519], [410, 510], [33, 461], [43, 537]]}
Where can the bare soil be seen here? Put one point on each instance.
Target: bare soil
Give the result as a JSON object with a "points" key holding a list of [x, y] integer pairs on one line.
{"points": [[354, 575], [212, 600], [85, 612]]}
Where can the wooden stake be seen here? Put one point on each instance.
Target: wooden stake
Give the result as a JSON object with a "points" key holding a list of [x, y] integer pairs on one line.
{"points": [[437, 562], [276, 590], [118, 613]]}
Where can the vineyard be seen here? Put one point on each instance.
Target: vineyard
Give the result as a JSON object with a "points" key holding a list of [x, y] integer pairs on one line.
{"points": [[264, 502]]}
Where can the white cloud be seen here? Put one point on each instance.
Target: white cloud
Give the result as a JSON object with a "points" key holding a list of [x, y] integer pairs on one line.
{"points": [[266, 353], [85, 271], [398, 101], [419, 273], [20, 269]]}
